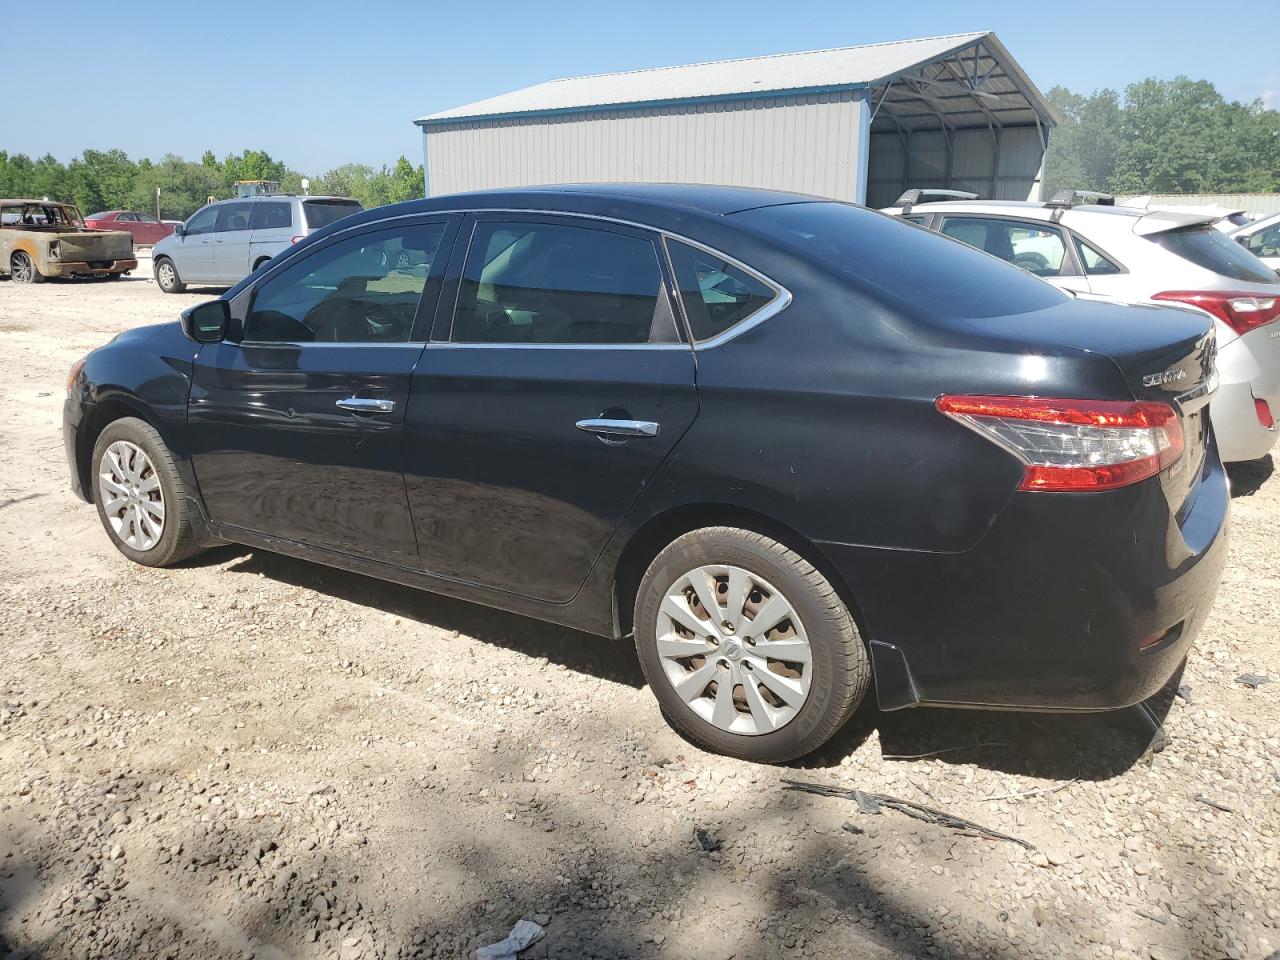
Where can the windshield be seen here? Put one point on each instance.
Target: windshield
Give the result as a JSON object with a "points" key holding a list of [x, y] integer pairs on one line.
{"points": [[1215, 251], [914, 267], [321, 213]]}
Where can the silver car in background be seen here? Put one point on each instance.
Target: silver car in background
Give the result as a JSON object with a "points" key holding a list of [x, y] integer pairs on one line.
{"points": [[224, 242], [1147, 256], [1262, 239]]}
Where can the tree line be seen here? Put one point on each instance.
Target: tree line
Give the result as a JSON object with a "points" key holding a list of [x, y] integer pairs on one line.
{"points": [[1162, 136], [109, 180]]}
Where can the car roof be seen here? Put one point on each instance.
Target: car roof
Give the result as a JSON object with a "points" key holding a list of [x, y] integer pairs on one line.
{"points": [[280, 196], [655, 204], [54, 203]]}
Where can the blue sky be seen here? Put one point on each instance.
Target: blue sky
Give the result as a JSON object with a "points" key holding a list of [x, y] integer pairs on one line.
{"points": [[324, 83]]}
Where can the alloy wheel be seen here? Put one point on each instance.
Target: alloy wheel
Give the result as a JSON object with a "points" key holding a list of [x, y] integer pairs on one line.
{"points": [[132, 498], [22, 268], [734, 649], [166, 274]]}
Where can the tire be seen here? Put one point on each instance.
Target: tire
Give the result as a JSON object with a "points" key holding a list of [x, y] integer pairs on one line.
{"points": [[167, 278], [261, 261], [761, 726], [131, 528], [23, 269]]}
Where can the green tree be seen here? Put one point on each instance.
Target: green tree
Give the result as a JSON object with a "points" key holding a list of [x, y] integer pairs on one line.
{"points": [[100, 180], [184, 187]]}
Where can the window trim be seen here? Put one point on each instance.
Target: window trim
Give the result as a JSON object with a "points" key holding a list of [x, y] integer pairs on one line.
{"points": [[780, 301], [457, 216]]}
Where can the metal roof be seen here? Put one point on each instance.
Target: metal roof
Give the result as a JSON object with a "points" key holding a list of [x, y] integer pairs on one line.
{"points": [[965, 79]]}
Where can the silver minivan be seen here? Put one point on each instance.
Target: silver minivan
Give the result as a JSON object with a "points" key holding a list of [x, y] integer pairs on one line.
{"points": [[224, 242]]}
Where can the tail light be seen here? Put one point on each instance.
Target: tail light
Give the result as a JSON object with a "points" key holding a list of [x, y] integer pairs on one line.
{"points": [[1263, 410], [1075, 445], [1240, 311]]}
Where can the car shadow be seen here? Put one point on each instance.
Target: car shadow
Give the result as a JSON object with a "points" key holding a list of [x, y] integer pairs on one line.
{"points": [[1248, 477], [582, 652], [1095, 746]]}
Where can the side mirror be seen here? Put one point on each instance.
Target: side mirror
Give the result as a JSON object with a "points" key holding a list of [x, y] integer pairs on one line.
{"points": [[179, 230], [206, 322]]}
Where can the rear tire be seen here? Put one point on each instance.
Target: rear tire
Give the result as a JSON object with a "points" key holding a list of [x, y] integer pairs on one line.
{"points": [[167, 278], [770, 709], [140, 496], [261, 261], [23, 269]]}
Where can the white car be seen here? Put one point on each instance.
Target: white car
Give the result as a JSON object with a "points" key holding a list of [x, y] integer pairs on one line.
{"points": [[1141, 256], [1262, 239], [1226, 219]]}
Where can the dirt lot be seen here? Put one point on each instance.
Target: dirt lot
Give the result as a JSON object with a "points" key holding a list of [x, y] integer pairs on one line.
{"points": [[254, 756]]}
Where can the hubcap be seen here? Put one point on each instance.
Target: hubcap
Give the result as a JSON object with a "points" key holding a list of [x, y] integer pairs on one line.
{"points": [[734, 649], [166, 275], [131, 495], [22, 268]]}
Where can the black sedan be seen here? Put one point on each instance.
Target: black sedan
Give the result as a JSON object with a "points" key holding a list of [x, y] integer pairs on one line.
{"points": [[790, 445]]}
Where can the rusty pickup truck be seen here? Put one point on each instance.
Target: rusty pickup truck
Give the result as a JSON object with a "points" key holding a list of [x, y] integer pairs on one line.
{"points": [[43, 238]]}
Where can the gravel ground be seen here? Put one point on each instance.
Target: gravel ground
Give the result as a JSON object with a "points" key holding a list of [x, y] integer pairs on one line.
{"points": [[253, 756]]}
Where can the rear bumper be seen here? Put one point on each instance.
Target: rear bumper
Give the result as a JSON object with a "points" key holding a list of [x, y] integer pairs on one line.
{"points": [[97, 268], [1050, 609], [1241, 436]]}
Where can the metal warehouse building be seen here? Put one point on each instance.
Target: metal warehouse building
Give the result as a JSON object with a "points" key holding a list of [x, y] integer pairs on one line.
{"points": [[854, 123]]}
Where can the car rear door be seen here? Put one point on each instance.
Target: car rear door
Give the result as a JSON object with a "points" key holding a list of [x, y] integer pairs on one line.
{"points": [[231, 242], [296, 426], [1034, 245], [555, 385], [147, 229], [273, 229]]}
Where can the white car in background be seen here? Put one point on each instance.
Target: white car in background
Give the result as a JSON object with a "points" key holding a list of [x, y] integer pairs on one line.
{"points": [[1226, 219], [1147, 256], [1262, 239]]}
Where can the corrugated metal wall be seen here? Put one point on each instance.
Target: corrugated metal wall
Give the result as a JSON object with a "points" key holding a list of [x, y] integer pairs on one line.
{"points": [[999, 165], [808, 144]]}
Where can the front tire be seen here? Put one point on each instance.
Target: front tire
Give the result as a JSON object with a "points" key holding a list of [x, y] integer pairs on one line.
{"points": [[140, 495], [167, 278], [732, 683], [23, 269]]}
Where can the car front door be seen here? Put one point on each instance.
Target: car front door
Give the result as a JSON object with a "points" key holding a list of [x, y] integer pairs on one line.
{"points": [[1033, 245], [296, 426], [555, 385], [193, 253], [231, 242]]}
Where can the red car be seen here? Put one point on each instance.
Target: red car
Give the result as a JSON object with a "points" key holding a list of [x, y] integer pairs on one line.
{"points": [[146, 229]]}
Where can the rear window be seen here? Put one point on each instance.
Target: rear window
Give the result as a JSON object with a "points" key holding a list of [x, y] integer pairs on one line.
{"points": [[1213, 250], [321, 213], [928, 274]]}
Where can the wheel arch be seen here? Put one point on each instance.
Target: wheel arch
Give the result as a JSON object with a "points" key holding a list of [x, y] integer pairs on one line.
{"points": [[102, 414], [660, 530]]}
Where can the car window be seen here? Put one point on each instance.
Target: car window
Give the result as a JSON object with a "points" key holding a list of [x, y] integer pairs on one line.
{"points": [[145, 218], [233, 216], [1034, 247], [321, 213], [921, 219], [1265, 243], [888, 260], [126, 217], [1095, 263], [716, 294], [363, 289], [1213, 250], [271, 215], [554, 283], [202, 222]]}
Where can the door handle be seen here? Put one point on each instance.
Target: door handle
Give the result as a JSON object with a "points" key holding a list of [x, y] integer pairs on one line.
{"points": [[366, 405], [619, 428]]}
